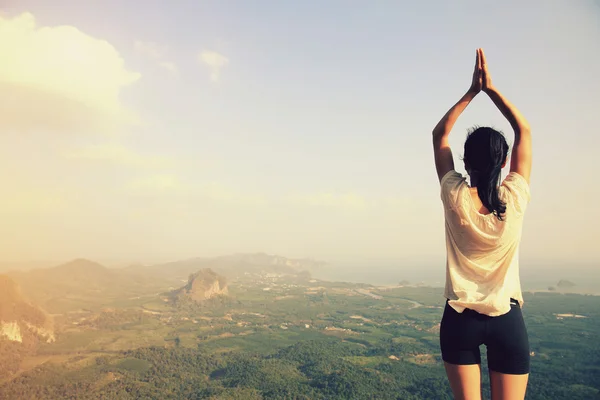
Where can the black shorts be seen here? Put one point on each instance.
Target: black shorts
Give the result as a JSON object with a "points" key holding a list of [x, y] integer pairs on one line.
{"points": [[505, 337]]}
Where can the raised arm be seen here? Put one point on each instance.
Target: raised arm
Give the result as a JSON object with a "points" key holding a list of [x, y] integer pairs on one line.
{"points": [[444, 162], [521, 154]]}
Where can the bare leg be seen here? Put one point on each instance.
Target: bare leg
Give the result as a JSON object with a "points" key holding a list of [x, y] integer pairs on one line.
{"points": [[465, 381], [508, 387]]}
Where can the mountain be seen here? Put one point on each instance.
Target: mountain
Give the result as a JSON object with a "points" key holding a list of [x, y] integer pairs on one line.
{"points": [[234, 266], [23, 266], [83, 284], [22, 326], [18, 316], [202, 285], [79, 269], [76, 272], [565, 284], [87, 285], [75, 277]]}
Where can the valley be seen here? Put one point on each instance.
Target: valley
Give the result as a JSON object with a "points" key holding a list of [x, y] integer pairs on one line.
{"points": [[261, 327]]}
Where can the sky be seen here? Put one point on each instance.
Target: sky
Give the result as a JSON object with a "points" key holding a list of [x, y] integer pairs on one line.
{"points": [[147, 131]]}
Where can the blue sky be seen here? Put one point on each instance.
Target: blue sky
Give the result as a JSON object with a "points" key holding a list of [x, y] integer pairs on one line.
{"points": [[298, 128]]}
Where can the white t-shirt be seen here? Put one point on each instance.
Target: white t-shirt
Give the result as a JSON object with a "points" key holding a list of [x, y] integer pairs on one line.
{"points": [[482, 268]]}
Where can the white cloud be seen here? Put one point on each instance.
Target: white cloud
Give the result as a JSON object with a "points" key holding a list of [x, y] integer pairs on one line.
{"points": [[155, 52], [215, 61], [149, 49], [59, 79], [118, 154]]}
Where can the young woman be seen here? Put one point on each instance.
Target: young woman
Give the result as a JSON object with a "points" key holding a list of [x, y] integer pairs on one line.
{"points": [[483, 231]]}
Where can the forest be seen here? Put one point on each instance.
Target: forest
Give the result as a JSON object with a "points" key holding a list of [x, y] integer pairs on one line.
{"points": [[278, 336]]}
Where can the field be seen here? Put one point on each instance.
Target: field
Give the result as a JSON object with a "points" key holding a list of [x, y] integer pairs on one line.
{"points": [[292, 338]]}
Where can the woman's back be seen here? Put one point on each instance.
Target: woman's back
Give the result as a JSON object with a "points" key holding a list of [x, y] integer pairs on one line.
{"points": [[483, 234], [482, 250]]}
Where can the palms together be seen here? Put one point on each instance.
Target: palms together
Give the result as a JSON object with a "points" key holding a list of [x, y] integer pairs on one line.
{"points": [[481, 76]]}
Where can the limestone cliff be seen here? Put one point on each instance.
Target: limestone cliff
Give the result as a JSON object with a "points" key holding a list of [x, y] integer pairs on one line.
{"points": [[11, 331], [203, 285], [21, 321]]}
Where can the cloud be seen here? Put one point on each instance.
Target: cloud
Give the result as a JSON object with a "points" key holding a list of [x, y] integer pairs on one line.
{"points": [[155, 52], [220, 193], [159, 183], [346, 201], [351, 201], [149, 49], [397, 202], [215, 61], [59, 79], [193, 193], [29, 200], [118, 154], [171, 67]]}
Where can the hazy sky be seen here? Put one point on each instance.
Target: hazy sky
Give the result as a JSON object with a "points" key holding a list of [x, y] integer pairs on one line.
{"points": [[155, 130]]}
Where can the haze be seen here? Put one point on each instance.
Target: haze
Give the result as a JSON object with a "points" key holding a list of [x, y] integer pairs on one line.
{"points": [[146, 131]]}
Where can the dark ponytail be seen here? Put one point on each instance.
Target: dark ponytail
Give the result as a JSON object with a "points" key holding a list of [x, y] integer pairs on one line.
{"points": [[485, 154]]}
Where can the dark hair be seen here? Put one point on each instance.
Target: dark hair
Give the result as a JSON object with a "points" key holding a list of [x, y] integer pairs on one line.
{"points": [[485, 153]]}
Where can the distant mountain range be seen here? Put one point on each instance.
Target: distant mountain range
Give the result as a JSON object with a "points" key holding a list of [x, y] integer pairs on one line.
{"points": [[72, 278], [236, 265], [23, 266], [565, 284], [83, 283]]}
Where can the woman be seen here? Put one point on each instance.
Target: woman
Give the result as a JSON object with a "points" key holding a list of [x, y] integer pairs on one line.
{"points": [[483, 231]]}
